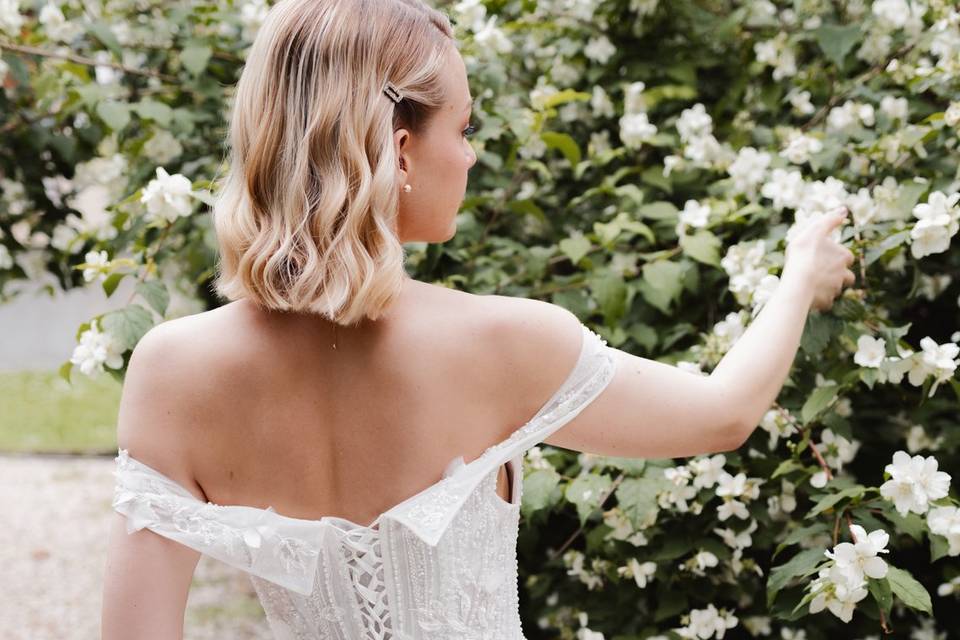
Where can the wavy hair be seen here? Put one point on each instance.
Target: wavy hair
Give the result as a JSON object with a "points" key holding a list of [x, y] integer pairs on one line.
{"points": [[305, 218]]}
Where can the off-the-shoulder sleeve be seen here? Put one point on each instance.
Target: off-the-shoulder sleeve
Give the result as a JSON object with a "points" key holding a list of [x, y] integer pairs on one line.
{"points": [[259, 541], [593, 371]]}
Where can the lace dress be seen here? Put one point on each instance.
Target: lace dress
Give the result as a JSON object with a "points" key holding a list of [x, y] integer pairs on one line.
{"points": [[442, 564]]}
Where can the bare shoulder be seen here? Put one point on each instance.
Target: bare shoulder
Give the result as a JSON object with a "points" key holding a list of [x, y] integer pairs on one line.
{"points": [[532, 345], [172, 388]]}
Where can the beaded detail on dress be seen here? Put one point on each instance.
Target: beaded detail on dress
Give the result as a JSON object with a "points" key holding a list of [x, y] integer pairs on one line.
{"points": [[440, 565]]}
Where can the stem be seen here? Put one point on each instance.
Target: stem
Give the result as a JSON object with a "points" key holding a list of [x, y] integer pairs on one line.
{"points": [[573, 536], [46, 53]]}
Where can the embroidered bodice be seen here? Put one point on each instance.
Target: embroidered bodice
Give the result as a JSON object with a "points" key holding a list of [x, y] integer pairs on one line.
{"points": [[441, 564]]}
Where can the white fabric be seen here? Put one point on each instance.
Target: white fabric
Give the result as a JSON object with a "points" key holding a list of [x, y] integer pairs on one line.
{"points": [[441, 564]]}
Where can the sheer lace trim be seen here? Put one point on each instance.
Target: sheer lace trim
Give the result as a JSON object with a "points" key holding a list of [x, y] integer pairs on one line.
{"points": [[259, 541]]}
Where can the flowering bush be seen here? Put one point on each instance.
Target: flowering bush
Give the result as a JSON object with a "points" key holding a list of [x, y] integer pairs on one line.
{"points": [[643, 164]]}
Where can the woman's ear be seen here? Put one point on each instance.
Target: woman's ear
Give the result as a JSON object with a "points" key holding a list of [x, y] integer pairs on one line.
{"points": [[400, 139]]}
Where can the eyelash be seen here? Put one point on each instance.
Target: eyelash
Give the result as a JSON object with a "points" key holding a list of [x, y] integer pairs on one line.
{"points": [[470, 130]]}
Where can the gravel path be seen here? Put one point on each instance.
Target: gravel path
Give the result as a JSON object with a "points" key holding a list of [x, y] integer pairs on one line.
{"points": [[53, 542]]}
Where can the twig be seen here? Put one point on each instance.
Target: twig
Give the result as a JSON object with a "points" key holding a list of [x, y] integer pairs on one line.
{"points": [[46, 53], [573, 536]]}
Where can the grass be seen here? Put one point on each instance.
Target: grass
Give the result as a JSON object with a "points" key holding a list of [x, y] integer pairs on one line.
{"points": [[41, 412]]}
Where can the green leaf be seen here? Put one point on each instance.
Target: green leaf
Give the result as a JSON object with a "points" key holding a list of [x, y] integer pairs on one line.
{"points": [[156, 111], [575, 247], [786, 467], [702, 246], [127, 325], [638, 499], [882, 593], [819, 400], [566, 144], [156, 295], [111, 281], [908, 590], [195, 58], [539, 490], [610, 292], [116, 115], [817, 332], [65, 370], [830, 500], [586, 491], [565, 96], [801, 534], [799, 566], [658, 211], [102, 32], [665, 277], [836, 41]]}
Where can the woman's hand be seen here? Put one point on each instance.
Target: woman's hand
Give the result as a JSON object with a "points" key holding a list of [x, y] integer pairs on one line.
{"points": [[815, 258]]}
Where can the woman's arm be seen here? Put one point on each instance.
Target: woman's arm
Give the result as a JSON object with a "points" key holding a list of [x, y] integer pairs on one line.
{"points": [[651, 409], [148, 576]]}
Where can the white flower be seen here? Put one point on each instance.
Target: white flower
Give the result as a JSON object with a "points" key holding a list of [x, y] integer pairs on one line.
{"points": [[642, 573], [749, 169], [949, 587], [914, 482], [939, 360], [599, 49], [601, 103], [694, 122], [635, 129], [836, 449], [784, 187], [693, 214], [162, 147], [870, 351], [10, 17], [492, 37], [917, 439], [838, 591], [633, 100], [707, 623], [898, 14], [945, 521], [97, 260], [800, 147], [56, 25], [937, 223], [777, 425], [95, 350], [730, 488], [800, 101], [860, 557], [167, 196], [777, 54], [952, 115], [6, 260], [895, 108], [819, 479], [707, 470], [470, 13], [736, 540]]}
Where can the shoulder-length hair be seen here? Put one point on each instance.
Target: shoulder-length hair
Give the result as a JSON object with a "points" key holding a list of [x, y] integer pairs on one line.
{"points": [[306, 216]]}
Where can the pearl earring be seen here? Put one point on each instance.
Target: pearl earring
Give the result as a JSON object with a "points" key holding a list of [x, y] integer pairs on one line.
{"points": [[407, 188]]}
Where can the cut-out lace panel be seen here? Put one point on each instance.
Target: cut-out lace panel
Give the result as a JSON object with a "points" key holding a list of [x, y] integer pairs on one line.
{"points": [[439, 565]]}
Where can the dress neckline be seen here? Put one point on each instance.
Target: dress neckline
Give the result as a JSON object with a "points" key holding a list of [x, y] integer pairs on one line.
{"points": [[450, 472]]}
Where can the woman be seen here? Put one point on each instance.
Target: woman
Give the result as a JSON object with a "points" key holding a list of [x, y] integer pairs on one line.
{"points": [[353, 438]]}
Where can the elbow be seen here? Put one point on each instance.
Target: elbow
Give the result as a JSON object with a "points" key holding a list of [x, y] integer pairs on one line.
{"points": [[733, 436]]}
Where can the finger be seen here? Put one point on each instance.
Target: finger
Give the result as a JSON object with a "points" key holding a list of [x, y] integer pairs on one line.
{"points": [[849, 277], [850, 257], [834, 218]]}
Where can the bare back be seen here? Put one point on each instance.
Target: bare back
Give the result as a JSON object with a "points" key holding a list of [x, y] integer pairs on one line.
{"points": [[349, 432]]}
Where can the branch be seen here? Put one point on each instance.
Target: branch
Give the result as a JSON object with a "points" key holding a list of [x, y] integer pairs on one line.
{"points": [[90, 62]]}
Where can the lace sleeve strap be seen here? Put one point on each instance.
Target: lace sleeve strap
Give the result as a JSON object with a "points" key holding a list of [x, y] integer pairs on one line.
{"points": [[593, 371], [259, 541]]}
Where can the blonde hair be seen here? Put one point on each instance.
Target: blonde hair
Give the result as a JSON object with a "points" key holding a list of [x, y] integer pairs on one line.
{"points": [[306, 217]]}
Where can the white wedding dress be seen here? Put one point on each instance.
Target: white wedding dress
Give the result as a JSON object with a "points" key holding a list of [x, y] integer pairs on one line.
{"points": [[442, 564]]}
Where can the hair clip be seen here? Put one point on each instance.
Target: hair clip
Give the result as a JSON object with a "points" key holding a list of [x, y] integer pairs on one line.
{"points": [[392, 92]]}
